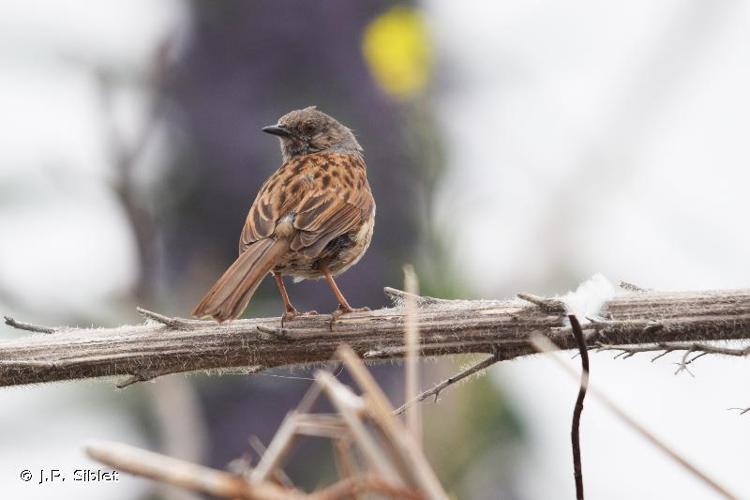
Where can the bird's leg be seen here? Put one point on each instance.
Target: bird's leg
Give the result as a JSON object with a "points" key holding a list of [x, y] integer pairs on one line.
{"points": [[344, 306], [289, 310]]}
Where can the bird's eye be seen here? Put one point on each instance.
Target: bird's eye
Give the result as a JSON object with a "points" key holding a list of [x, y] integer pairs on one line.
{"points": [[308, 128]]}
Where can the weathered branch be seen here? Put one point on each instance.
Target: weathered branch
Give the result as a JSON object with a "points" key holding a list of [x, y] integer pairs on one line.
{"points": [[184, 474], [169, 345]]}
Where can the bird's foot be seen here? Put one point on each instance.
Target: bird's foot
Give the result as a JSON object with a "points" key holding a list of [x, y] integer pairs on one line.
{"points": [[293, 313], [340, 311]]}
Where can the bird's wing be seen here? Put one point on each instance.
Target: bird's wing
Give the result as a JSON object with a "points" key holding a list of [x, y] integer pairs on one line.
{"points": [[327, 194]]}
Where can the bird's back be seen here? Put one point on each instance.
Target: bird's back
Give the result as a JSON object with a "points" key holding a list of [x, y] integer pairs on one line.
{"points": [[327, 199]]}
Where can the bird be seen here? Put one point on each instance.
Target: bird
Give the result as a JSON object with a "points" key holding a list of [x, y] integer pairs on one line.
{"points": [[313, 218]]}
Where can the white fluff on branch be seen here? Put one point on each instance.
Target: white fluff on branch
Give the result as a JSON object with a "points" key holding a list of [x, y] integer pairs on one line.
{"points": [[590, 296]]}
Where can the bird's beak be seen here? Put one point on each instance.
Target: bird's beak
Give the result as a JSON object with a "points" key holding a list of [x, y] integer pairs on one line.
{"points": [[277, 130]]}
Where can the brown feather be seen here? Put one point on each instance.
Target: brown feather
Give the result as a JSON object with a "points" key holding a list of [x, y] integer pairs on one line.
{"points": [[313, 204], [313, 217], [232, 292]]}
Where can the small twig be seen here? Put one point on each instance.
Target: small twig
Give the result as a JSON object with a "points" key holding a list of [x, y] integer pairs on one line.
{"points": [[682, 365], [381, 412], [575, 434], [666, 351], [350, 407], [548, 305], [626, 351], [28, 326], [278, 448], [438, 388], [322, 426], [171, 322], [397, 295], [142, 376], [133, 379], [184, 474], [741, 410], [310, 398], [346, 464], [278, 473]]}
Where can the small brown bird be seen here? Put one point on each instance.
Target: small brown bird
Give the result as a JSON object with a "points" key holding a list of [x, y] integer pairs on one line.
{"points": [[313, 218]]}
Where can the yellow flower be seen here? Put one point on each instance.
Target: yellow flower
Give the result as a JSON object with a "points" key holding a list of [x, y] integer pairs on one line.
{"points": [[396, 47]]}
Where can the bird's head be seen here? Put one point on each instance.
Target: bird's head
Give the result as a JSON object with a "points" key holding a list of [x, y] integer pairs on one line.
{"points": [[305, 131]]}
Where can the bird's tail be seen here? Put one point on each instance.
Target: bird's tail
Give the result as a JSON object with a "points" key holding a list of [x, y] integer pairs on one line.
{"points": [[232, 292]]}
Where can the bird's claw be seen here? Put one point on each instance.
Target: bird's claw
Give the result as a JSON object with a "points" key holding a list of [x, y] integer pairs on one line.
{"points": [[340, 311], [290, 315]]}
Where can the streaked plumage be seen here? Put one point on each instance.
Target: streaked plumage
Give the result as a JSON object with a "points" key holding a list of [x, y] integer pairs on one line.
{"points": [[312, 218]]}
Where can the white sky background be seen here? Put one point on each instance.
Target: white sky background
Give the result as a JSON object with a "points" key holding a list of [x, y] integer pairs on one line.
{"points": [[588, 137], [53, 173], [53, 140]]}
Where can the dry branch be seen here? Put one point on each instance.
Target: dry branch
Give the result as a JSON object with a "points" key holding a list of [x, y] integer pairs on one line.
{"points": [[396, 467], [664, 348], [453, 379], [184, 474], [693, 351], [405, 446], [223, 484], [169, 345], [20, 325]]}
